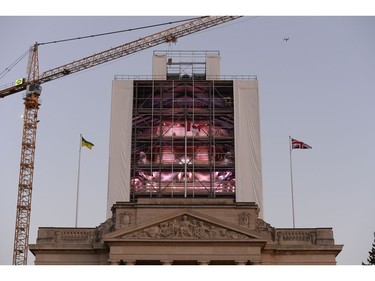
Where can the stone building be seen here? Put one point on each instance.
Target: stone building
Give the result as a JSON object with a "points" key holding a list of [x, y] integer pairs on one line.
{"points": [[185, 177]]}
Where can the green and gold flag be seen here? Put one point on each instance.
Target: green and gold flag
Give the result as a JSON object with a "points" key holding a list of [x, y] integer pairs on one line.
{"points": [[86, 143]]}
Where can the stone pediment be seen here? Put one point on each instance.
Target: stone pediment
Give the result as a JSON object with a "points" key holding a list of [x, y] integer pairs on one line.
{"points": [[184, 225]]}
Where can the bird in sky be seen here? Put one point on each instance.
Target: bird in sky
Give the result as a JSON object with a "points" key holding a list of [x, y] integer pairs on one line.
{"points": [[286, 39]]}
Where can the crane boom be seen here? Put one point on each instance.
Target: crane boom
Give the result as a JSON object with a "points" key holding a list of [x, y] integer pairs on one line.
{"points": [[33, 91], [168, 35]]}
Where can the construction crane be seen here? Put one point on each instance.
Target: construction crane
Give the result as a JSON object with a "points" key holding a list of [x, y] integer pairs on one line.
{"points": [[32, 85]]}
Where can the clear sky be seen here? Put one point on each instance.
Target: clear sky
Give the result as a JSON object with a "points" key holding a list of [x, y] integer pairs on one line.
{"points": [[317, 87]]}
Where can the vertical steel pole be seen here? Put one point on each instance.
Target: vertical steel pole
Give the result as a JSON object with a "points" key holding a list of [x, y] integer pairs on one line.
{"points": [[79, 171], [291, 179]]}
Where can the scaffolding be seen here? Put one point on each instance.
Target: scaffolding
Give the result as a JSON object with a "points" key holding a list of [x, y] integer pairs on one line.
{"points": [[182, 139]]}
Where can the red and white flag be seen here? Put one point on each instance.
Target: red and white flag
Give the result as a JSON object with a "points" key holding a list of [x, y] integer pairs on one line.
{"points": [[296, 144]]}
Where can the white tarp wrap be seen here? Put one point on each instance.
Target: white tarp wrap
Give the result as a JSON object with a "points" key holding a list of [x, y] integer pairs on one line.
{"points": [[247, 143], [213, 67], [120, 143], [159, 67]]}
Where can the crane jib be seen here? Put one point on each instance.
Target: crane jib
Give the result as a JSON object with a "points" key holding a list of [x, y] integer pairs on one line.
{"points": [[165, 36]]}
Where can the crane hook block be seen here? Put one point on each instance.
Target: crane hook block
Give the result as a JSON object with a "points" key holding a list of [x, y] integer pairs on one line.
{"points": [[33, 89]]}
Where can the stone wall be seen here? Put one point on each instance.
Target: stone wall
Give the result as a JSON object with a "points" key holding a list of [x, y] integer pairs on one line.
{"points": [[190, 231]]}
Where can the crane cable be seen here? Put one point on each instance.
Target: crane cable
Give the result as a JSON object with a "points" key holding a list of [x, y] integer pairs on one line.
{"points": [[13, 64], [118, 31]]}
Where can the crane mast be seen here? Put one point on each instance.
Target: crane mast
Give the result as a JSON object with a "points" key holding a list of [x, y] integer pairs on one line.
{"points": [[25, 185], [33, 91]]}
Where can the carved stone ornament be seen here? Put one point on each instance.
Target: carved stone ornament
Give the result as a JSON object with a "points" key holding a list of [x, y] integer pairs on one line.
{"points": [[296, 235], [102, 229], [244, 219], [186, 227], [265, 229], [126, 219]]}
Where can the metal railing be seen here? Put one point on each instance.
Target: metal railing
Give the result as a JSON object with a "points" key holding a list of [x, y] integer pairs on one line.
{"points": [[163, 77]]}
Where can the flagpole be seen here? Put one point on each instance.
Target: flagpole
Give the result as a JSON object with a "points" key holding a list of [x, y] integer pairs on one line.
{"points": [[79, 168], [291, 178]]}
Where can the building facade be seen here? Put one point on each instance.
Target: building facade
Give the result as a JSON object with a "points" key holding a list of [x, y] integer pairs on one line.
{"points": [[185, 177], [194, 133]]}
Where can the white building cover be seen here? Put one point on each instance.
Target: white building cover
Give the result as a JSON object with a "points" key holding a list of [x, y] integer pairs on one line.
{"points": [[247, 143], [213, 67], [120, 143], [159, 67]]}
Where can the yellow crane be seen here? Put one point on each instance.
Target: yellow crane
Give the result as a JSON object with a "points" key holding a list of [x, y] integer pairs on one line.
{"points": [[32, 85]]}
